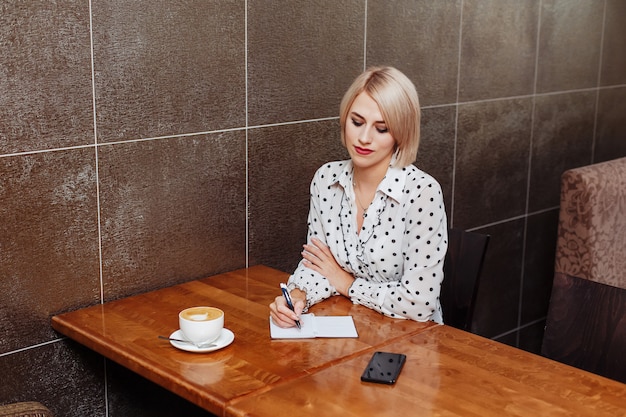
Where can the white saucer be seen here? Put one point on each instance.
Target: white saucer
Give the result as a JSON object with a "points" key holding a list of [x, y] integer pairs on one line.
{"points": [[225, 339]]}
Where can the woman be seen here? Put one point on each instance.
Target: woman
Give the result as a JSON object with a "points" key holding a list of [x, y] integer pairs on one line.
{"points": [[377, 224]]}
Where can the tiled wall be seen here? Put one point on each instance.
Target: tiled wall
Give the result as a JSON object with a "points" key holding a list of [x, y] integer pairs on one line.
{"points": [[146, 143]]}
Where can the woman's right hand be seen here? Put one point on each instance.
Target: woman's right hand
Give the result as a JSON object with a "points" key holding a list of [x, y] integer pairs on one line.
{"points": [[281, 313]]}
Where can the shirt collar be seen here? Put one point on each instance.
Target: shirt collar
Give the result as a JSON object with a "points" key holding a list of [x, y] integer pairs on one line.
{"points": [[392, 184]]}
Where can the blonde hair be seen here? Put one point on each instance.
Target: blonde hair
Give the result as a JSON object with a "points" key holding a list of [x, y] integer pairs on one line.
{"points": [[397, 100]]}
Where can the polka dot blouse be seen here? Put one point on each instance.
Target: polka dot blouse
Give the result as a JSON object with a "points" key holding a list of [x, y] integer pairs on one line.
{"points": [[397, 256]]}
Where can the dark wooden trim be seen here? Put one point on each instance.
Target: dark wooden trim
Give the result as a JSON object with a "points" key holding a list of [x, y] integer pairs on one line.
{"points": [[586, 326]]}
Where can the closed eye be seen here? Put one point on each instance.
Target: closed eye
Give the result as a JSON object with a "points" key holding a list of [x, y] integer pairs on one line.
{"points": [[356, 122]]}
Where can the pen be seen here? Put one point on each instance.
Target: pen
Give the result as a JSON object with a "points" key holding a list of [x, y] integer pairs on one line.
{"points": [[289, 303]]}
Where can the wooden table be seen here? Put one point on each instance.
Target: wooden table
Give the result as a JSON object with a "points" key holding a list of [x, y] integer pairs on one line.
{"points": [[448, 372], [126, 331]]}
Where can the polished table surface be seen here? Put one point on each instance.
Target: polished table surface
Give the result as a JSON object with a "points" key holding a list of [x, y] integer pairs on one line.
{"points": [[126, 331], [448, 372]]}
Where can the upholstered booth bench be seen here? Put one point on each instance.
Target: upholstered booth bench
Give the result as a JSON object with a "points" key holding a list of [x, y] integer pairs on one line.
{"points": [[586, 322]]}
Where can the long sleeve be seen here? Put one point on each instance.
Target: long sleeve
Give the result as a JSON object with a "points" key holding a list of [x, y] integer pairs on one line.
{"points": [[316, 286]]}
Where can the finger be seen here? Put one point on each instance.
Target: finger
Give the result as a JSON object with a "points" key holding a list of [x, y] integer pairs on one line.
{"points": [[319, 249], [282, 310], [312, 265], [325, 255], [310, 257], [325, 250], [279, 308], [287, 314], [276, 303], [311, 250], [282, 314], [315, 255], [298, 307], [280, 322], [319, 244]]}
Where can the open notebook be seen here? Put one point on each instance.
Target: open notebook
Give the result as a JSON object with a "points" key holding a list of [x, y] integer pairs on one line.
{"points": [[316, 326]]}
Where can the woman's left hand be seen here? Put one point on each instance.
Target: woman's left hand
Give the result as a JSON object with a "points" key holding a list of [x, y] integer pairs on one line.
{"points": [[318, 257]]}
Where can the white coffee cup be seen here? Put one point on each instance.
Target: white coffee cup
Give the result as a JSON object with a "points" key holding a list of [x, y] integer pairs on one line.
{"points": [[201, 324]]}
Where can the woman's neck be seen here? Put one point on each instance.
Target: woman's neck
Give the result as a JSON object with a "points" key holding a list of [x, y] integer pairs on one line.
{"points": [[368, 178]]}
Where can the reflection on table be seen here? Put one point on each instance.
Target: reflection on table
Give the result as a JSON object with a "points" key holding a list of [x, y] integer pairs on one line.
{"points": [[126, 331], [448, 373]]}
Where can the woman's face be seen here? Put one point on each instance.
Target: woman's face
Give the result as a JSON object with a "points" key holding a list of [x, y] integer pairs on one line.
{"points": [[368, 141]]}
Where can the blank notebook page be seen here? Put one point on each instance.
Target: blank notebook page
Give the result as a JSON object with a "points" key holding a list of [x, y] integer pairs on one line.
{"points": [[316, 326]]}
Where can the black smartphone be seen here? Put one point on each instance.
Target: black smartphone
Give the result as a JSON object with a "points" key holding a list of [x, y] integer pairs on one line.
{"points": [[384, 368]]}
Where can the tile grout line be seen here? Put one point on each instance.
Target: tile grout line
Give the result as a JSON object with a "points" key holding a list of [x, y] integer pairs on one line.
{"points": [[598, 81], [29, 347], [510, 219], [247, 164], [518, 328], [365, 37], [293, 122], [531, 139], [97, 164], [98, 207], [456, 115]]}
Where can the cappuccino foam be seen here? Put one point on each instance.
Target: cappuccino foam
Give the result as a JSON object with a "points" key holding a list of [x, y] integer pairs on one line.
{"points": [[202, 313]]}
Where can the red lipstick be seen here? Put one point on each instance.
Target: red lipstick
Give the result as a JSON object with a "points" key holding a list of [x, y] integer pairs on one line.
{"points": [[362, 151]]}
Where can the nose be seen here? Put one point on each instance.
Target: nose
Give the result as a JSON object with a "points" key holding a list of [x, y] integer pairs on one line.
{"points": [[365, 136]]}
